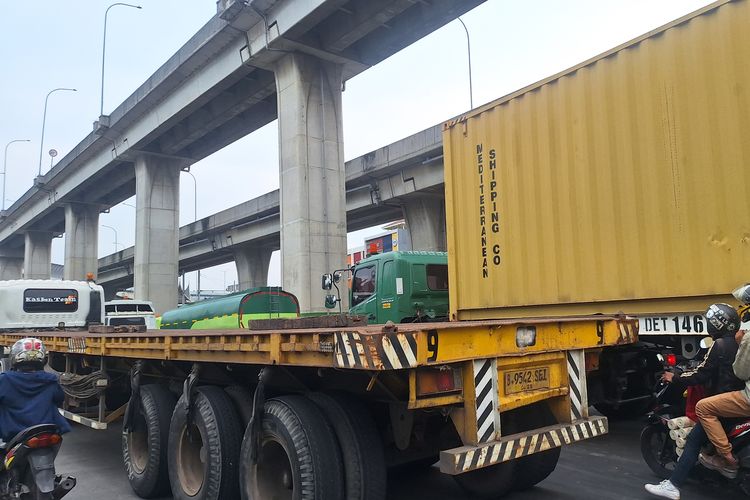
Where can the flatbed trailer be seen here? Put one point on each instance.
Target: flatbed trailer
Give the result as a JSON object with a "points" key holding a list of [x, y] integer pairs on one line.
{"points": [[492, 400]]}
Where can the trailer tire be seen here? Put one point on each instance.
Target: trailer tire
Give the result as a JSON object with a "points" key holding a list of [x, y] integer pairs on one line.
{"points": [[298, 456], [144, 451], [205, 470], [489, 482], [361, 448], [534, 469], [242, 399]]}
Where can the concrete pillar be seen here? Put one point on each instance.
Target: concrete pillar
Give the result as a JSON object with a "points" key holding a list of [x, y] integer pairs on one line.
{"points": [[81, 241], [37, 257], [157, 198], [11, 264], [252, 266], [313, 203], [425, 220]]}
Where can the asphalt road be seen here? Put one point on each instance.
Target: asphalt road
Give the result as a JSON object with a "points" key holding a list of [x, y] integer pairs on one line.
{"points": [[608, 467]]}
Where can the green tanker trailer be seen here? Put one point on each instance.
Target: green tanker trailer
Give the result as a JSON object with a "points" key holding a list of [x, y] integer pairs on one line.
{"points": [[232, 311]]}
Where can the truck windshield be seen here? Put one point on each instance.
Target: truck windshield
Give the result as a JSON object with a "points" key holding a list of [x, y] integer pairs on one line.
{"points": [[363, 285]]}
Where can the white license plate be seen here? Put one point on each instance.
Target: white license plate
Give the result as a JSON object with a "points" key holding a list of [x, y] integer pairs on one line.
{"points": [[673, 324]]}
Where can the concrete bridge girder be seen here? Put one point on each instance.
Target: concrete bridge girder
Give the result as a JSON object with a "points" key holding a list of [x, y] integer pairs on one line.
{"points": [[252, 265], [81, 241], [11, 263], [312, 175], [157, 230], [37, 261]]}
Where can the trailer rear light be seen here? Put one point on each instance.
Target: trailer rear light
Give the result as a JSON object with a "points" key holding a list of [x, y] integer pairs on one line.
{"points": [[671, 359], [43, 441], [525, 336], [438, 380]]}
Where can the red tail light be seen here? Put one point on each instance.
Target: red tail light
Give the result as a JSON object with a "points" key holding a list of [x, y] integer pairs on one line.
{"points": [[434, 381], [44, 441], [445, 381], [671, 359]]}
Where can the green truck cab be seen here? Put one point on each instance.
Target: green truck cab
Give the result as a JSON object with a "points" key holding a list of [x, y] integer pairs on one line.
{"points": [[401, 287]]}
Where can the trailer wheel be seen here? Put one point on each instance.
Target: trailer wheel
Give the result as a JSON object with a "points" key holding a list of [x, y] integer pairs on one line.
{"points": [[519, 474], [489, 482], [144, 448], [360, 445], [242, 399], [298, 457], [533, 469], [203, 455]]}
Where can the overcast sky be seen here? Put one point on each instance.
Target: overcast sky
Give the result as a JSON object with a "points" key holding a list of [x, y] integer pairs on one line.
{"points": [[56, 43]]}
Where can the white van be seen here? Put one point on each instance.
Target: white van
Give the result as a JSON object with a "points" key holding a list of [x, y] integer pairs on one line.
{"points": [[130, 312], [50, 304]]}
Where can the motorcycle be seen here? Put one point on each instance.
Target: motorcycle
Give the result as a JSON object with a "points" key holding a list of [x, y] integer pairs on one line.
{"points": [[27, 471], [660, 451]]}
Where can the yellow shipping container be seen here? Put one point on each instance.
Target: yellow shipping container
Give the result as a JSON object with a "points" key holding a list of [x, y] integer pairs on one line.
{"points": [[622, 184]]}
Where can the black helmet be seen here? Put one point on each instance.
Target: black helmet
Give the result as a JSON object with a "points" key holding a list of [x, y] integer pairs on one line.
{"points": [[722, 319]]}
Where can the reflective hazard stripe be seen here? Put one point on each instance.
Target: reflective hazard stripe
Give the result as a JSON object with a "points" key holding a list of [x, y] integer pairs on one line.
{"points": [[466, 458], [579, 403], [485, 390], [392, 351]]}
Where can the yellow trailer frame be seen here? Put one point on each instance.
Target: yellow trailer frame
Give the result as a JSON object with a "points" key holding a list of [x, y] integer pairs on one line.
{"points": [[494, 360]]}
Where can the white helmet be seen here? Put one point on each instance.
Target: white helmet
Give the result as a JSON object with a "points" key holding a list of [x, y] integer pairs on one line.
{"points": [[743, 294], [29, 352]]}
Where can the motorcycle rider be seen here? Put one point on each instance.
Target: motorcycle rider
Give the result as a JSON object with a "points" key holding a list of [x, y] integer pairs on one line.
{"points": [[29, 395], [715, 373], [728, 404]]}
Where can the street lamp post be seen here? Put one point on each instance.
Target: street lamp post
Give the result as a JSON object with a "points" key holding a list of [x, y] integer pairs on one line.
{"points": [[5, 164], [195, 218], [468, 50], [195, 195], [113, 230], [104, 46], [44, 121]]}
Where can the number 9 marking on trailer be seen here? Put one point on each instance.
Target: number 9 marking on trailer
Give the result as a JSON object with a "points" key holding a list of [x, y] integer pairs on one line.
{"points": [[432, 345]]}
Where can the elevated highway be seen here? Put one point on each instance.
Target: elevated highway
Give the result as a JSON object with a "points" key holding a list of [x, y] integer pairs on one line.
{"points": [[253, 62], [381, 186]]}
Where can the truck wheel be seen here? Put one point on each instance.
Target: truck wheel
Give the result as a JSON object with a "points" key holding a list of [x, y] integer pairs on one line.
{"points": [[533, 469], [203, 455], [360, 445], [519, 474], [144, 448], [626, 411], [298, 457], [489, 482], [243, 402]]}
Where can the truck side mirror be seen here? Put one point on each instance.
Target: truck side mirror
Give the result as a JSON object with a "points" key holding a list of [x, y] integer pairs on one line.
{"points": [[337, 276], [331, 301], [327, 282]]}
